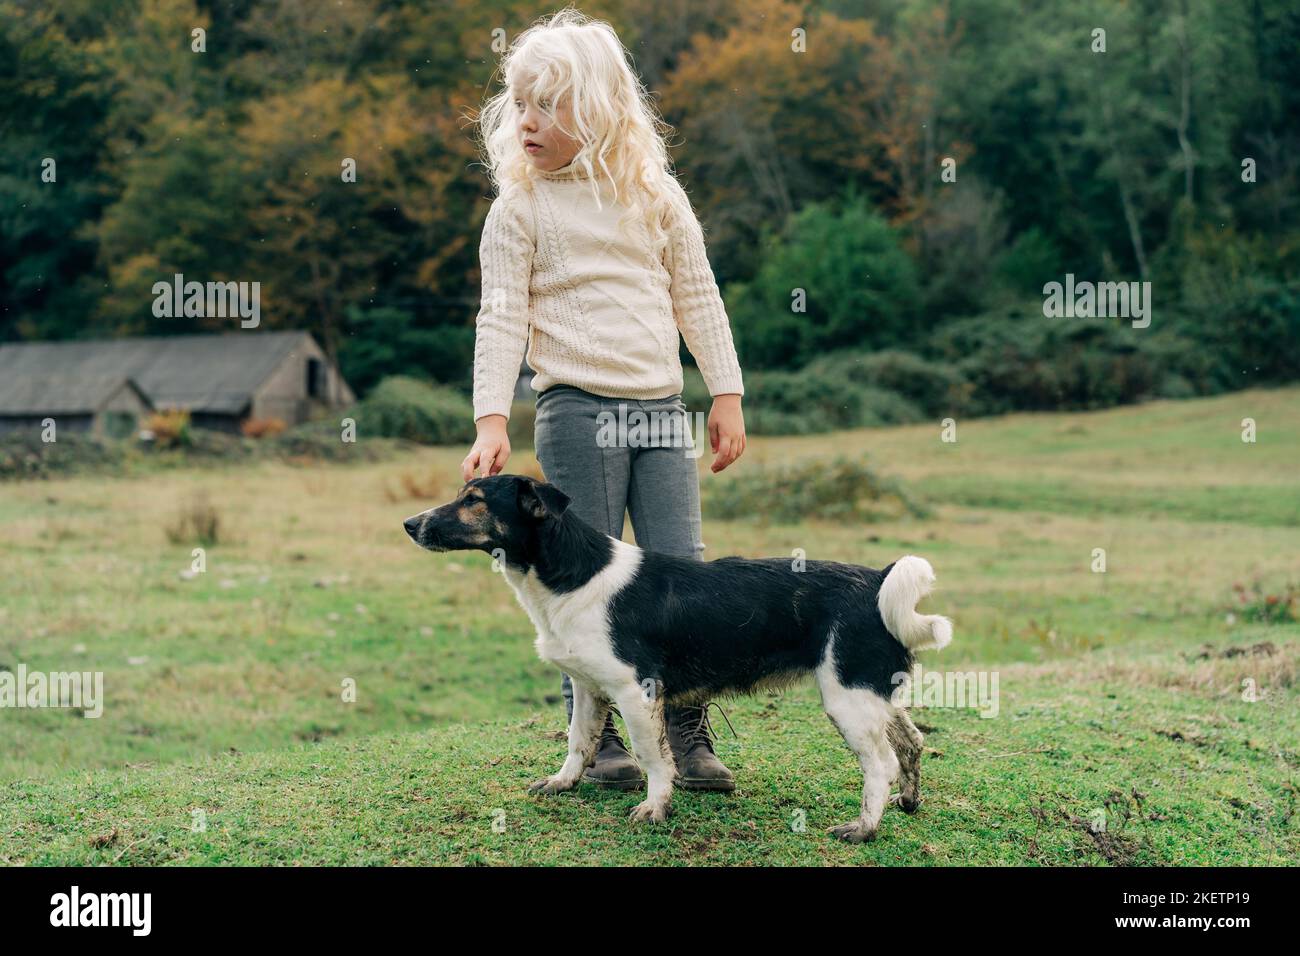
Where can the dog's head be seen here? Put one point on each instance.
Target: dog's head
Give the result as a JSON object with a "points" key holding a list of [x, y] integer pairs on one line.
{"points": [[488, 513]]}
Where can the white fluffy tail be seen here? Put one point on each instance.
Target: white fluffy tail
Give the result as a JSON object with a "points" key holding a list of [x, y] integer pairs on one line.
{"points": [[910, 580]]}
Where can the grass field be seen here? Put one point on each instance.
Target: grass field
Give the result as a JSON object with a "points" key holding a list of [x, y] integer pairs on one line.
{"points": [[1121, 693]]}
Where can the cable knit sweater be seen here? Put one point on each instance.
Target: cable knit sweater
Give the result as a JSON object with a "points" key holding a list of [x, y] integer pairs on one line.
{"points": [[592, 305]]}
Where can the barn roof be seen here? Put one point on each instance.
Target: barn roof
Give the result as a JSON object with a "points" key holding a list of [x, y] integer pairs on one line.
{"points": [[62, 394], [204, 373]]}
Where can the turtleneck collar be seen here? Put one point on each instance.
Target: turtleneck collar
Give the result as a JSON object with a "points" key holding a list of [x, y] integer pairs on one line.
{"points": [[569, 172]]}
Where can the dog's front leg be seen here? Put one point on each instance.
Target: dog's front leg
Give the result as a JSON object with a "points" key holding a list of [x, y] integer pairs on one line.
{"points": [[589, 710], [644, 718]]}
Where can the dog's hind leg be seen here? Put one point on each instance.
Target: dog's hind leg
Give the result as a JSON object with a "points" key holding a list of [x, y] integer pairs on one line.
{"points": [[863, 718], [645, 725], [589, 710], [906, 740]]}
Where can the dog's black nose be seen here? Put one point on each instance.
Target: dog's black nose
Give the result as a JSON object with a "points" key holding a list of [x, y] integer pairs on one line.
{"points": [[412, 526]]}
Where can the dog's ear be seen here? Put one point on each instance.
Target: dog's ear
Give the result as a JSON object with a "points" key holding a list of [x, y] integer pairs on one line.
{"points": [[539, 500]]}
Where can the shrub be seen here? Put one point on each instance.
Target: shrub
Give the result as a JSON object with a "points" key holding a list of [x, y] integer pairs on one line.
{"points": [[838, 489], [809, 401], [861, 288], [1026, 362], [1031, 257], [1187, 367], [960, 241], [1264, 607], [936, 388], [262, 427], [1253, 331], [24, 455], [196, 522], [881, 407], [795, 403], [402, 407], [169, 427], [382, 338]]}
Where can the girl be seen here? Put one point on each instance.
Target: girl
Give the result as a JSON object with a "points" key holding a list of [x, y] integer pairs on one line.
{"points": [[592, 261]]}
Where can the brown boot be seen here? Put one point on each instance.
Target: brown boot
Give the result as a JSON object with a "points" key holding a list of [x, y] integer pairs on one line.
{"points": [[614, 766], [691, 738]]}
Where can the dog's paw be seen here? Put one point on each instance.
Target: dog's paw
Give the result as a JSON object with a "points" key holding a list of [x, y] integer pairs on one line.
{"points": [[854, 832], [648, 812], [907, 806], [549, 785]]}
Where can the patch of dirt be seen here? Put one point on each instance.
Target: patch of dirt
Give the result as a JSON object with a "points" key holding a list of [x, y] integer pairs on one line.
{"points": [[1187, 736], [746, 831], [1107, 827], [1117, 848], [1210, 652], [101, 840], [316, 733]]}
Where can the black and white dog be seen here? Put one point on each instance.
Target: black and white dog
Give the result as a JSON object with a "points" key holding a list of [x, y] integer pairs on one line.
{"points": [[636, 629]]}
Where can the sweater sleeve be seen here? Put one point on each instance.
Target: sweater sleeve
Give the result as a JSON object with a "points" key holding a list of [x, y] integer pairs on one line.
{"points": [[697, 305], [501, 329]]}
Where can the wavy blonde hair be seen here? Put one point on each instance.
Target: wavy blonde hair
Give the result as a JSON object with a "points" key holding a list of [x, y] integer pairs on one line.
{"points": [[572, 58]]}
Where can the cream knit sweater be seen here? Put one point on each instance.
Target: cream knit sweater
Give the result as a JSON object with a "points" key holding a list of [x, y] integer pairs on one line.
{"points": [[592, 306]]}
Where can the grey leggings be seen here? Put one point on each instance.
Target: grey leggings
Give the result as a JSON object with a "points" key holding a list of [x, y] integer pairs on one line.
{"points": [[652, 476]]}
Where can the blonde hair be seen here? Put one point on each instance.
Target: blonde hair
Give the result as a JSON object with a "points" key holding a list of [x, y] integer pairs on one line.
{"points": [[571, 56]]}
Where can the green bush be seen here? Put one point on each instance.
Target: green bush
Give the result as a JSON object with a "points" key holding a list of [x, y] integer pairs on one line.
{"points": [[1262, 606], [793, 403], [837, 489], [1187, 367], [1032, 257], [959, 240], [382, 338], [1027, 362], [861, 288], [24, 455], [1253, 332], [936, 388], [402, 407], [880, 407], [809, 401]]}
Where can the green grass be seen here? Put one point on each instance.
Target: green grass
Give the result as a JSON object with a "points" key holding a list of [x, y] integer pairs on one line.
{"points": [[1017, 789], [224, 692]]}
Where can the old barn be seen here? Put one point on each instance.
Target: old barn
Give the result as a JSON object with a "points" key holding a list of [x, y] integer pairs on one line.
{"points": [[105, 387]]}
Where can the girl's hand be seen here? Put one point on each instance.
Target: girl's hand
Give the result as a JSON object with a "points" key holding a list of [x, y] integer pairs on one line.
{"points": [[726, 431], [491, 449]]}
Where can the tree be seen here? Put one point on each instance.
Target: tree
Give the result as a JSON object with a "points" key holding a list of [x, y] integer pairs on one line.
{"points": [[842, 264], [54, 104]]}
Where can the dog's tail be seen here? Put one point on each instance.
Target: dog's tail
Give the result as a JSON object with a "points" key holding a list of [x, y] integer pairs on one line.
{"points": [[909, 580]]}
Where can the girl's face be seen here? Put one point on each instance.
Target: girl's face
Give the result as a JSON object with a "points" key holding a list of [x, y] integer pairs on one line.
{"points": [[543, 141]]}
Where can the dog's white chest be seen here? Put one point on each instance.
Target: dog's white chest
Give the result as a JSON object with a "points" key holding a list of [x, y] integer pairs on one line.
{"points": [[569, 626], [573, 629]]}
